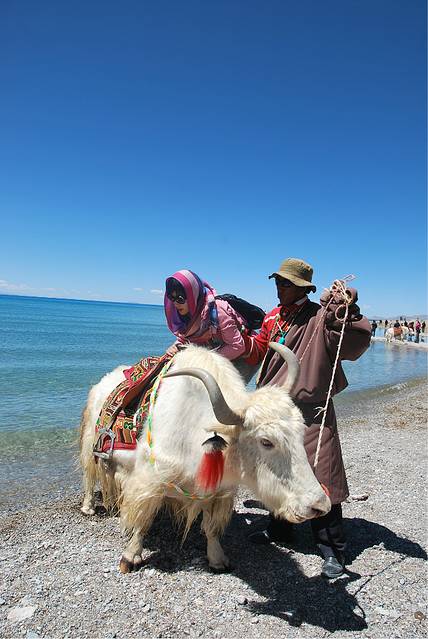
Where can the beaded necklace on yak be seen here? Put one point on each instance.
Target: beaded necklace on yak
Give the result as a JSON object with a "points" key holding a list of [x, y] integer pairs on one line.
{"points": [[152, 401]]}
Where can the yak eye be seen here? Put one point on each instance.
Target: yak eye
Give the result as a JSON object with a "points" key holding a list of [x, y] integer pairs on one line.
{"points": [[266, 443]]}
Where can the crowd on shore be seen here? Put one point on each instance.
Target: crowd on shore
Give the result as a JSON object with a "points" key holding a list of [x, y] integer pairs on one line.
{"points": [[413, 330]]}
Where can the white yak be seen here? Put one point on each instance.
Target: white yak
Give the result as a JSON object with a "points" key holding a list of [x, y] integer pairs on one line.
{"points": [[263, 430], [402, 336]]}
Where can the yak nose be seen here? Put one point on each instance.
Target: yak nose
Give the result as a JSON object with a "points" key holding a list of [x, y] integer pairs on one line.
{"points": [[317, 513], [321, 507]]}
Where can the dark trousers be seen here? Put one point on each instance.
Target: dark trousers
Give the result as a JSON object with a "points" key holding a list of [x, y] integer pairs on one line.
{"points": [[328, 532]]}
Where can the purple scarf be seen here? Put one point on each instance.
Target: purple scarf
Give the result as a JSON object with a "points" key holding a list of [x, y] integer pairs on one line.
{"points": [[202, 309]]}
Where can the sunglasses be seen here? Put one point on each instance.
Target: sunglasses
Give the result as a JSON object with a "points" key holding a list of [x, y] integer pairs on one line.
{"points": [[283, 283], [180, 299]]}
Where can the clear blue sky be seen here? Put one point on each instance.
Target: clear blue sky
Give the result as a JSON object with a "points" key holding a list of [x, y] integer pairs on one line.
{"points": [[140, 137]]}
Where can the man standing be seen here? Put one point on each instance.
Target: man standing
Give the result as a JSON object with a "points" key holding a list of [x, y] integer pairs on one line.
{"points": [[312, 332], [374, 327]]}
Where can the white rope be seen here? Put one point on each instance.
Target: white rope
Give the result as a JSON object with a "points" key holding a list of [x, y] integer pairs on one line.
{"points": [[315, 330]]}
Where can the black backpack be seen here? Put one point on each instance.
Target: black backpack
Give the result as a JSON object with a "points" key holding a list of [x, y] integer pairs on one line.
{"points": [[253, 315]]}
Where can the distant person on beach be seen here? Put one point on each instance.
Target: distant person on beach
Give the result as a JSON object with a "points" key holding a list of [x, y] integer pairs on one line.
{"points": [[397, 330], [312, 331], [423, 326], [196, 317], [417, 330], [374, 327]]}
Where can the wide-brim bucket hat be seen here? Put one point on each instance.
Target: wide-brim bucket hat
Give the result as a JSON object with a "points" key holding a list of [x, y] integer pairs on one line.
{"points": [[297, 271]]}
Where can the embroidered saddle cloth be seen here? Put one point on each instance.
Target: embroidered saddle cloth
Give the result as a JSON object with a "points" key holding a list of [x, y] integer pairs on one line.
{"points": [[116, 424]]}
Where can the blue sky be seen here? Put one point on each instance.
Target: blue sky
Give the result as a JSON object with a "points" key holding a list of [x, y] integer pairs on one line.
{"points": [[143, 137]]}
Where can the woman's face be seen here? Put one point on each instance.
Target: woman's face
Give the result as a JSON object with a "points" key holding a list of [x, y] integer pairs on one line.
{"points": [[178, 298]]}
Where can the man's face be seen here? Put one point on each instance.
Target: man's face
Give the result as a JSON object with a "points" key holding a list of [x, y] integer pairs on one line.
{"points": [[288, 293]]}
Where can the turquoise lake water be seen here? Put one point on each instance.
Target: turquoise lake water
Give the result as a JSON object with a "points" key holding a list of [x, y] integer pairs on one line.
{"points": [[52, 351]]}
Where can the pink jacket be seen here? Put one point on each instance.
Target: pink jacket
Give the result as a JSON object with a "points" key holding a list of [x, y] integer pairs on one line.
{"points": [[229, 335]]}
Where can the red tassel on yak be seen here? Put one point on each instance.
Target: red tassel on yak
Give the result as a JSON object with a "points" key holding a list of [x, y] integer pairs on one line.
{"points": [[211, 468]]}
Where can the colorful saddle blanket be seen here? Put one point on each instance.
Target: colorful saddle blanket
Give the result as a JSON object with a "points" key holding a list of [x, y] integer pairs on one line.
{"points": [[116, 425]]}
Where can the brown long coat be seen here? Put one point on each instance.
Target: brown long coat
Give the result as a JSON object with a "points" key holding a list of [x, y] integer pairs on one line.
{"points": [[312, 386]]}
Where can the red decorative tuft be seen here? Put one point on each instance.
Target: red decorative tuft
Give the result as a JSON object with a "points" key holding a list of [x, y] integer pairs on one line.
{"points": [[210, 471]]}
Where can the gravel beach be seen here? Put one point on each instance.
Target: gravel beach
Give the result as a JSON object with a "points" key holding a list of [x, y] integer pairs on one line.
{"points": [[59, 569]]}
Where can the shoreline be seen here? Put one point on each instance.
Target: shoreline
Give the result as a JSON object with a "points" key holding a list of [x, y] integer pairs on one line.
{"points": [[395, 342], [54, 559]]}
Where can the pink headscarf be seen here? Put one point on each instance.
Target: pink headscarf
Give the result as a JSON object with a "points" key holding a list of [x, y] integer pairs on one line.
{"points": [[200, 300]]}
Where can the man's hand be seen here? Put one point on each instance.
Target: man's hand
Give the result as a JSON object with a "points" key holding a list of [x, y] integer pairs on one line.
{"points": [[336, 298]]}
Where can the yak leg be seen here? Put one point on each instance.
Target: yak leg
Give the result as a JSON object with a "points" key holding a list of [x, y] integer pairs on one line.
{"points": [[87, 463], [215, 518], [88, 505], [131, 558]]}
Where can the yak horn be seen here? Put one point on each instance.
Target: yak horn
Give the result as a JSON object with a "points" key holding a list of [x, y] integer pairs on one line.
{"points": [[224, 414], [292, 364]]}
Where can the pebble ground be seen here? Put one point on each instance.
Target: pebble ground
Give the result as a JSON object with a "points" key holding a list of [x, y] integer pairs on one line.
{"points": [[59, 573]]}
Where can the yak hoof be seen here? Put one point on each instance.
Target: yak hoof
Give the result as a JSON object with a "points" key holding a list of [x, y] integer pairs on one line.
{"points": [[87, 510], [125, 566], [221, 567], [219, 570], [128, 566]]}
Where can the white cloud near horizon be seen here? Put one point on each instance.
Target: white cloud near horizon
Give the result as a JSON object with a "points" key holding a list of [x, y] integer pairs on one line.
{"points": [[156, 291], [9, 286], [138, 288]]}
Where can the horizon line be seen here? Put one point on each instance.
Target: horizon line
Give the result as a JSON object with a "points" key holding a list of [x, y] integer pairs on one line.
{"points": [[76, 299]]}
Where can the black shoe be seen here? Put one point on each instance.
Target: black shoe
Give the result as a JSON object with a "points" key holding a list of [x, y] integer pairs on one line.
{"points": [[332, 568]]}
